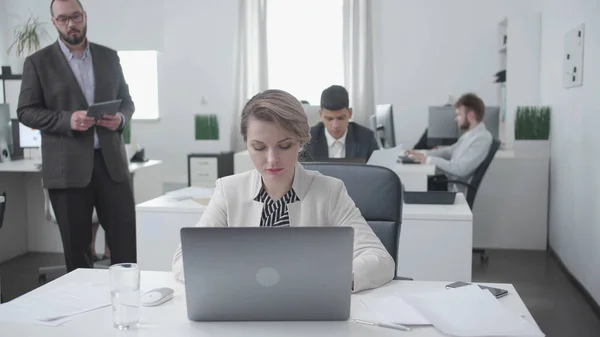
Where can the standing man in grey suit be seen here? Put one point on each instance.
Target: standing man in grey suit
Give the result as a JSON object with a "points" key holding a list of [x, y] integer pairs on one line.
{"points": [[84, 164], [335, 136], [460, 160]]}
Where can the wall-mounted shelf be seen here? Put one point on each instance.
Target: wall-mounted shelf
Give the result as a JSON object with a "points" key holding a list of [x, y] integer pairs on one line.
{"points": [[11, 77]]}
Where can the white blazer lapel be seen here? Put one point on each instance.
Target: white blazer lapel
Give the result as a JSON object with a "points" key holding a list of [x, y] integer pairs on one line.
{"points": [[254, 215], [295, 213]]}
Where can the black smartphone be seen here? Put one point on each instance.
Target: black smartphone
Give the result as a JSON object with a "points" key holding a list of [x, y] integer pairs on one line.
{"points": [[497, 292]]}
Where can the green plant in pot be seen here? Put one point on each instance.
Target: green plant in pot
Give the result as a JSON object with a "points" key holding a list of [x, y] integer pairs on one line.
{"points": [[27, 39], [532, 123]]}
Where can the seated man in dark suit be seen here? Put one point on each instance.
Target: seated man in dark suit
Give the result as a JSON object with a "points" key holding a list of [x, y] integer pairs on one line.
{"points": [[335, 136]]}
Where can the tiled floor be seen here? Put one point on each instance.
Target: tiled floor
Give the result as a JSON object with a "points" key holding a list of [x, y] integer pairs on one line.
{"points": [[555, 303]]}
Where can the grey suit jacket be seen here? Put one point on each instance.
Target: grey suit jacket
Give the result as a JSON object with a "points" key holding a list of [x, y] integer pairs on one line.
{"points": [[460, 160], [360, 142], [50, 94]]}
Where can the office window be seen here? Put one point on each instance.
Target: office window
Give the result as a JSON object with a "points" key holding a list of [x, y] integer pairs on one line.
{"points": [[305, 46], [140, 69]]}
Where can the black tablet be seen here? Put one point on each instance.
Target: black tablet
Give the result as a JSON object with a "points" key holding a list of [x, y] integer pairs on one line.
{"points": [[98, 110]]}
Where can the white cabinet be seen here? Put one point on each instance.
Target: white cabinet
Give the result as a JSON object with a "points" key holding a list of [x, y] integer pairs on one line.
{"points": [[205, 169]]}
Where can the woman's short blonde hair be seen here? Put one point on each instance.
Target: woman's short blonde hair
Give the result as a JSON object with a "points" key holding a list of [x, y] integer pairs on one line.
{"points": [[281, 108]]}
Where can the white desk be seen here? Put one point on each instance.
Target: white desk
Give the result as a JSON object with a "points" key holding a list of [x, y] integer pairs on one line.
{"points": [[435, 241], [414, 176], [158, 222], [511, 208], [170, 319], [25, 225]]}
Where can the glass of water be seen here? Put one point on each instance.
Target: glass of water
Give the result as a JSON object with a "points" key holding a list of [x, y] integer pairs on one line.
{"points": [[125, 294]]}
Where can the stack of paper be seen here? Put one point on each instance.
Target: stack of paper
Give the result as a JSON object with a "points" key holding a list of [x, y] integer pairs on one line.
{"points": [[388, 309], [471, 311], [56, 306]]}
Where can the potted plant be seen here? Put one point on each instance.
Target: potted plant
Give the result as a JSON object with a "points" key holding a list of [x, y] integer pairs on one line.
{"points": [[532, 129], [27, 39]]}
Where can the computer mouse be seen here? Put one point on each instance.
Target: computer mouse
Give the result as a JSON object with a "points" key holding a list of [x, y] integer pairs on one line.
{"points": [[156, 297]]}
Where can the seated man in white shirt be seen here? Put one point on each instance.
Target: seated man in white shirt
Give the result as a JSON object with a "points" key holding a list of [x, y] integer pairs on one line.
{"points": [[459, 161], [335, 136]]}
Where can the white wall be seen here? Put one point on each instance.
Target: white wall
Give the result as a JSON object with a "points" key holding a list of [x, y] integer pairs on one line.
{"points": [[425, 50], [575, 166], [3, 29], [430, 49], [196, 44]]}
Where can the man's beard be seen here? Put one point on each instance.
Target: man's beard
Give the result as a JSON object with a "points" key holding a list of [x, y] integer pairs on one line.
{"points": [[465, 125], [74, 39]]}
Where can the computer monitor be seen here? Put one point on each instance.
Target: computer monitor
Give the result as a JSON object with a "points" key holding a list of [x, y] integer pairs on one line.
{"points": [[5, 133], [491, 119], [442, 129], [382, 123], [312, 113], [28, 137]]}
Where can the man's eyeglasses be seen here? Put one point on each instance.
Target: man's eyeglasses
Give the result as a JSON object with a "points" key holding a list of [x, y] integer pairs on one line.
{"points": [[76, 18]]}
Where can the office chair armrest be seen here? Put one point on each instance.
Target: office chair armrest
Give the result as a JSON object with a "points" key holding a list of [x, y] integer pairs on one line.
{"points": [[401, 278], [459, 182], [469, 186]]}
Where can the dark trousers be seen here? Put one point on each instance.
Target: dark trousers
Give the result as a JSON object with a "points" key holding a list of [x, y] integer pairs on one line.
{"points": [[115, 208], [439, 185]]}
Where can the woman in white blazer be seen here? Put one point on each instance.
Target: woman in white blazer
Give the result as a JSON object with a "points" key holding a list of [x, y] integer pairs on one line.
{"points": [[280, 192]]}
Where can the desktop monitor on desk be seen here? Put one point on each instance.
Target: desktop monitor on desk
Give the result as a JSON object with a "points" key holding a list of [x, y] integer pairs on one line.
{"points": [[28, 137], [442, 129], [5, 134], [312, 114], [382, 123]]}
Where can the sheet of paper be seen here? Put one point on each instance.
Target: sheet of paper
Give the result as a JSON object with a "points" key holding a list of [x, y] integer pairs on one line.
{"points": [[389, 309], [386, 157], [470, 311], [56, 304], [15, 314]]}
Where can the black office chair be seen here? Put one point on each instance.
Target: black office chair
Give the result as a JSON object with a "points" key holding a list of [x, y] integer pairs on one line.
{"points": [[473, 186], [377, 192]]}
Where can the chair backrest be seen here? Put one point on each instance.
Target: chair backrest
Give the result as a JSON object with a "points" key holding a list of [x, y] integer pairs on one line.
{"points": [[376, 191], [2, 207], [480, 172]]}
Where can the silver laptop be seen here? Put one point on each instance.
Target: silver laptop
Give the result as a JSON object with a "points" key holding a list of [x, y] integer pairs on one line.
{"points": [[268, 274]]}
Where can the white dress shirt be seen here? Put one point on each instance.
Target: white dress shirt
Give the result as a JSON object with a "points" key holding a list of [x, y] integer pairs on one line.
{"points": [[337, 147]]}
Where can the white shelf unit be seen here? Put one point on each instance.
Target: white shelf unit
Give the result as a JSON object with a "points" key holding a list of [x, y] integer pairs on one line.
{"points": [[518, 46]]}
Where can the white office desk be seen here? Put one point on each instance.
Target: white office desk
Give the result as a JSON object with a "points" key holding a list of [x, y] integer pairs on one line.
{"points": [[25, 225], [159, 222], [170, 318], [435, 240], [414, 176]]}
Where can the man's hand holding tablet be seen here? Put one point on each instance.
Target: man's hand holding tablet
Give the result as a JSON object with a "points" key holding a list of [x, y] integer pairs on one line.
{"points": [[105, 114]]}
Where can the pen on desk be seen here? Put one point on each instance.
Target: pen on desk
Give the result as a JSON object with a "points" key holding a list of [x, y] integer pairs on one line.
{"points": [[383, 325]]}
